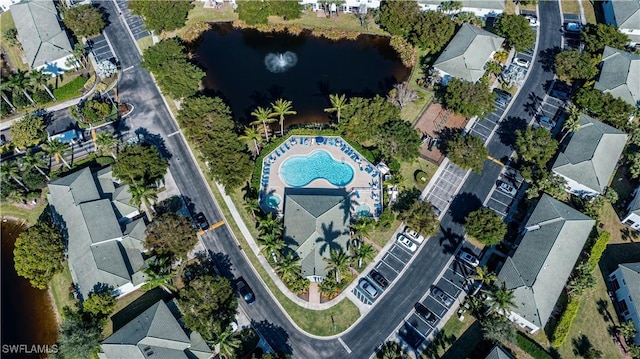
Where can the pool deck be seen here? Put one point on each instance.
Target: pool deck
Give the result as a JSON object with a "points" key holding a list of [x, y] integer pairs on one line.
{"points": [[365, 188]]}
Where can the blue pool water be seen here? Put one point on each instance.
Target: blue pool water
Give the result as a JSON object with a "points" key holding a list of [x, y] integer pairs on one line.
{"points": [[298, 171], [272, 200]]}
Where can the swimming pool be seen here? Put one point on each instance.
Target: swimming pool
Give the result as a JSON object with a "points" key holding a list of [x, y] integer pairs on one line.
{"points": [[272, 200], [298, 171]]}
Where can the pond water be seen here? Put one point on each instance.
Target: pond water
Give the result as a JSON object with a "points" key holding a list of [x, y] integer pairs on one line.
{"points": [[27, 312], [250, 68]]}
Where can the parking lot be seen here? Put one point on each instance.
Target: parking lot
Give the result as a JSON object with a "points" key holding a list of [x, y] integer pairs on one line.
{"points": [[134, 22], [483, 127], [446, 186], [389, 266], [101, 49], [502, 199], [416, 328]]}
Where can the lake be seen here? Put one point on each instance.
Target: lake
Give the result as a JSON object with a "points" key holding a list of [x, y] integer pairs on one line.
{"points": [[249, 68], [27, 313]]}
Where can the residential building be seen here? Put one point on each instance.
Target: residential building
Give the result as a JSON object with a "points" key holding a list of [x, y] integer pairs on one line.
{"points": [[102, 230], [625, 15], [626, 283], [467, 54], [5, 5], [156, 333], [45, 44], [348, 6], [481, 8], [316, 221], [632, 219], [619, 75], [498, 352], [536, 272], [589, 158]]}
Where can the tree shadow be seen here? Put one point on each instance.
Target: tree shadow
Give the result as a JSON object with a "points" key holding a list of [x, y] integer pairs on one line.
{"points": [[507, 130], [222, 264], [548, 57], [462, 205], [154, 140], [582, 347], [328, 239], [276, 336], [449, 240]]}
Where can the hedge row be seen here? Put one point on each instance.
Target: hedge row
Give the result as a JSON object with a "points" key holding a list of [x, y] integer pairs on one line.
{"points": [[531, 347], [70, 90], [597, 249], [564, 324]]}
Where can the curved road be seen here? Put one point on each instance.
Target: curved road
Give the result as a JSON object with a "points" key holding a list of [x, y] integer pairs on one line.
{"points": [[153, 118]]}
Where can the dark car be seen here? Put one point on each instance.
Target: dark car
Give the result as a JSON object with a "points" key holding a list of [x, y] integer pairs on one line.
{"points": [[245, 292], [203, 224], [379, 279], [442, 296], [410, 336], [426, 314], [503, 94]]}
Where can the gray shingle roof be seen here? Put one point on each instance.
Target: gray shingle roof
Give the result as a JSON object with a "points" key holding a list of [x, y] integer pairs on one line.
{"points": [[40, 33], [540, 267], [591, 154], [631, 274], [620, 75], [634, 206], [468, 52], [315, 221], [498, 353], [156, 330], [497, 5], [98, 253], [627, 13]]}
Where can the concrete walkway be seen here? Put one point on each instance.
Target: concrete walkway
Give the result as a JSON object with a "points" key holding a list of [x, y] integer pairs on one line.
{"points": [[314, 293]]}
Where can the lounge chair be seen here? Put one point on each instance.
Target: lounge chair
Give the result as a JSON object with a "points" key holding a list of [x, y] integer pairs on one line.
{"points": [[287, 146]]}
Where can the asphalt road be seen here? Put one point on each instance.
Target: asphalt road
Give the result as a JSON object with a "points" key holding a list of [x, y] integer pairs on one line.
{"points": [[152, 117]]}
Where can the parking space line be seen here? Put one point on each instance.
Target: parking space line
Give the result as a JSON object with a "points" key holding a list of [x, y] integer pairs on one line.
{"points": [[344, 345], [505, 204], [499, 212]]}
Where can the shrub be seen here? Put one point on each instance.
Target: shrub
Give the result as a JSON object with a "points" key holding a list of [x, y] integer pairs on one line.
{"points": [[564, 324], [105, 160], [33, 180], [421, 177], [70, 90], [531, 347], [598, 248]]}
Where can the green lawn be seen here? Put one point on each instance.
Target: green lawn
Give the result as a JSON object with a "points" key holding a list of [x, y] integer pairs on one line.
{"points": [[382, 237], [570, 6], [59, 286], [589, 12], [30, 215], [13, 52], [408, 171], [147, 41], [453, 334]]}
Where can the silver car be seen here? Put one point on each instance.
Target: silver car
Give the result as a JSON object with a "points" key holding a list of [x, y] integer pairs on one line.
{"points": [[368, 288]]}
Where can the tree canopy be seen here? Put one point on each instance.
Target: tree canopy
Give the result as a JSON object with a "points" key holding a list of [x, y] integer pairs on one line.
{"points": [[604, 106], [363, 118], [84, 20], [486, 226], [258, 12], [398, 139], [468, 152], [516, 31], [161, 16], [101, 304], [139, 164], [80, 334], [576, 65], [421, 218], [208, 305], [28, 132], [208, 124], [468, 98], [432, 31], [597, 36], [169, 63], [536, 146], [398, 17], [39, 254], [170, 234]]}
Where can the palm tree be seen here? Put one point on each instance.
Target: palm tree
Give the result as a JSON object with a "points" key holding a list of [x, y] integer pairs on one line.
{"points": [[336, 262], [270, 224], [58, 149], [160, 274], [11, 170], [228, 342], [502, 299], [272, 244], [484, 276], [365, 252], [263, 116], [572, 123], [252, 136], [33, 160], [338, 102], [39, 79], [252, 206], [21, 82], [362, 227], [390, 350], [289, 268], [328, 287], [6, 85], [106, 140], [280, 108], [143, 194], [80, 53], [627, 329]]}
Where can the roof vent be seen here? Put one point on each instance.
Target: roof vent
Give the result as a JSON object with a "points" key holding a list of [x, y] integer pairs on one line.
{"points": [[532, 228]]}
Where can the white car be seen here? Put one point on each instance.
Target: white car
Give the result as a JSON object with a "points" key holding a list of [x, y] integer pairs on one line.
{"points": [[521, 62], [469, 258], [368, 288], [407, 243], [533, 21], [506, 188], [414, 235]]}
